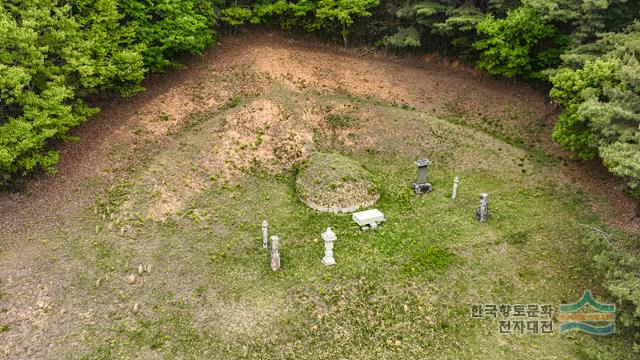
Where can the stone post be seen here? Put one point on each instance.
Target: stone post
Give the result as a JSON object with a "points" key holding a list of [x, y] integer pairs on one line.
{"points": [[483, 210], [454, 193], [274, 258], [265, 240], [329, 237]]}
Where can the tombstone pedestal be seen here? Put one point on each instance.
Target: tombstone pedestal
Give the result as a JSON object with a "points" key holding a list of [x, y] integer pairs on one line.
{"points": [[421, 188], [328, 261]]}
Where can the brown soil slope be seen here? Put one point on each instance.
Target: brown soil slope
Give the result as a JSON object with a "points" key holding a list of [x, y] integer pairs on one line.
{"points": [[419, 82]]}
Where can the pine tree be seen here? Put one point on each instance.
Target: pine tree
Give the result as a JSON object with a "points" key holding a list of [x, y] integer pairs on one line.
{"points": [[600, 92], [447, 26]]}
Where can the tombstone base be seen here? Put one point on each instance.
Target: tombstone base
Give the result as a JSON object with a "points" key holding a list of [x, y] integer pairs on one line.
{"points": [[421, 188], [275, 263], [371, 226], [328, 261]]}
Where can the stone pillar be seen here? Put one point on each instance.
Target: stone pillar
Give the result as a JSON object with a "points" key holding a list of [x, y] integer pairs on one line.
{"points": [[483, 210], [454, 193], [421, 185], [265, 226], [329, 237], [274, 258]]}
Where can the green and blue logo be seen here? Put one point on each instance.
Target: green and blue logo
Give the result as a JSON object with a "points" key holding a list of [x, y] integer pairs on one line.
{"points": [[600, 322]]}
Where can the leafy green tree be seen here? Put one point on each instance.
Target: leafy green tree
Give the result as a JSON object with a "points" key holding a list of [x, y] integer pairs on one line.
{"points": [[330, 16], [268, 11], [55, 54], [597, 16], [404, 37], [459, 27], [236, 15], [106, 56], [521, 44], [342, 12], [574, 88], [50, 55], [583, 20], [300, 15], [169, 28]]}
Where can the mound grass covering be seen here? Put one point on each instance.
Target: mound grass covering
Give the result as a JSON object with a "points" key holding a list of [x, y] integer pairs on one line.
{"points": [[335, 183]]}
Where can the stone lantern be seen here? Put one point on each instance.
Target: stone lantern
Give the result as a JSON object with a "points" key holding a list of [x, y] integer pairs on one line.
{"points": [[329, 237]]}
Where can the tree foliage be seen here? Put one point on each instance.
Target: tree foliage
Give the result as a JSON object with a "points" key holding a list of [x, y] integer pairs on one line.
{"points": [[169, 28], [443, 25], [47, 57], [600, 94], [404, 37], [521, 44], [574, 90], [342, 12], [54, 55], [330, 16]]}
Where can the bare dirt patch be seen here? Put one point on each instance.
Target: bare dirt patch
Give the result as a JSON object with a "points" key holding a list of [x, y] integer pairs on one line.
{"points": [[255, 134], [262, 133], [244, 65]]}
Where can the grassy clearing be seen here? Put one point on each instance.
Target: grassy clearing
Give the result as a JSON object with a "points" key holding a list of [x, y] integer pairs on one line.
{"points": [[403, 290]]}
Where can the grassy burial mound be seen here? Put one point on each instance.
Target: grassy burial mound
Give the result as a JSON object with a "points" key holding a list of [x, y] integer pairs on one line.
{"points": [[335, 183]]}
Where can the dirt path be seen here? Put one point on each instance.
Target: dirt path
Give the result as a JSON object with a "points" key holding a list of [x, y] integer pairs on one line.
{"points": [[420, 82]]}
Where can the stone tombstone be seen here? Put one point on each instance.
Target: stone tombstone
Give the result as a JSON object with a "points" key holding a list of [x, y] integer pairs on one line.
{"points": [[454, 193], [483, 210], [265, 226], [274, 258], [329, 237], [421, 185]]}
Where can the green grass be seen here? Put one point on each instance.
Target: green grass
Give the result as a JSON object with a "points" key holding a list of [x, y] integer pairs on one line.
{"points": [[403, 290]]}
